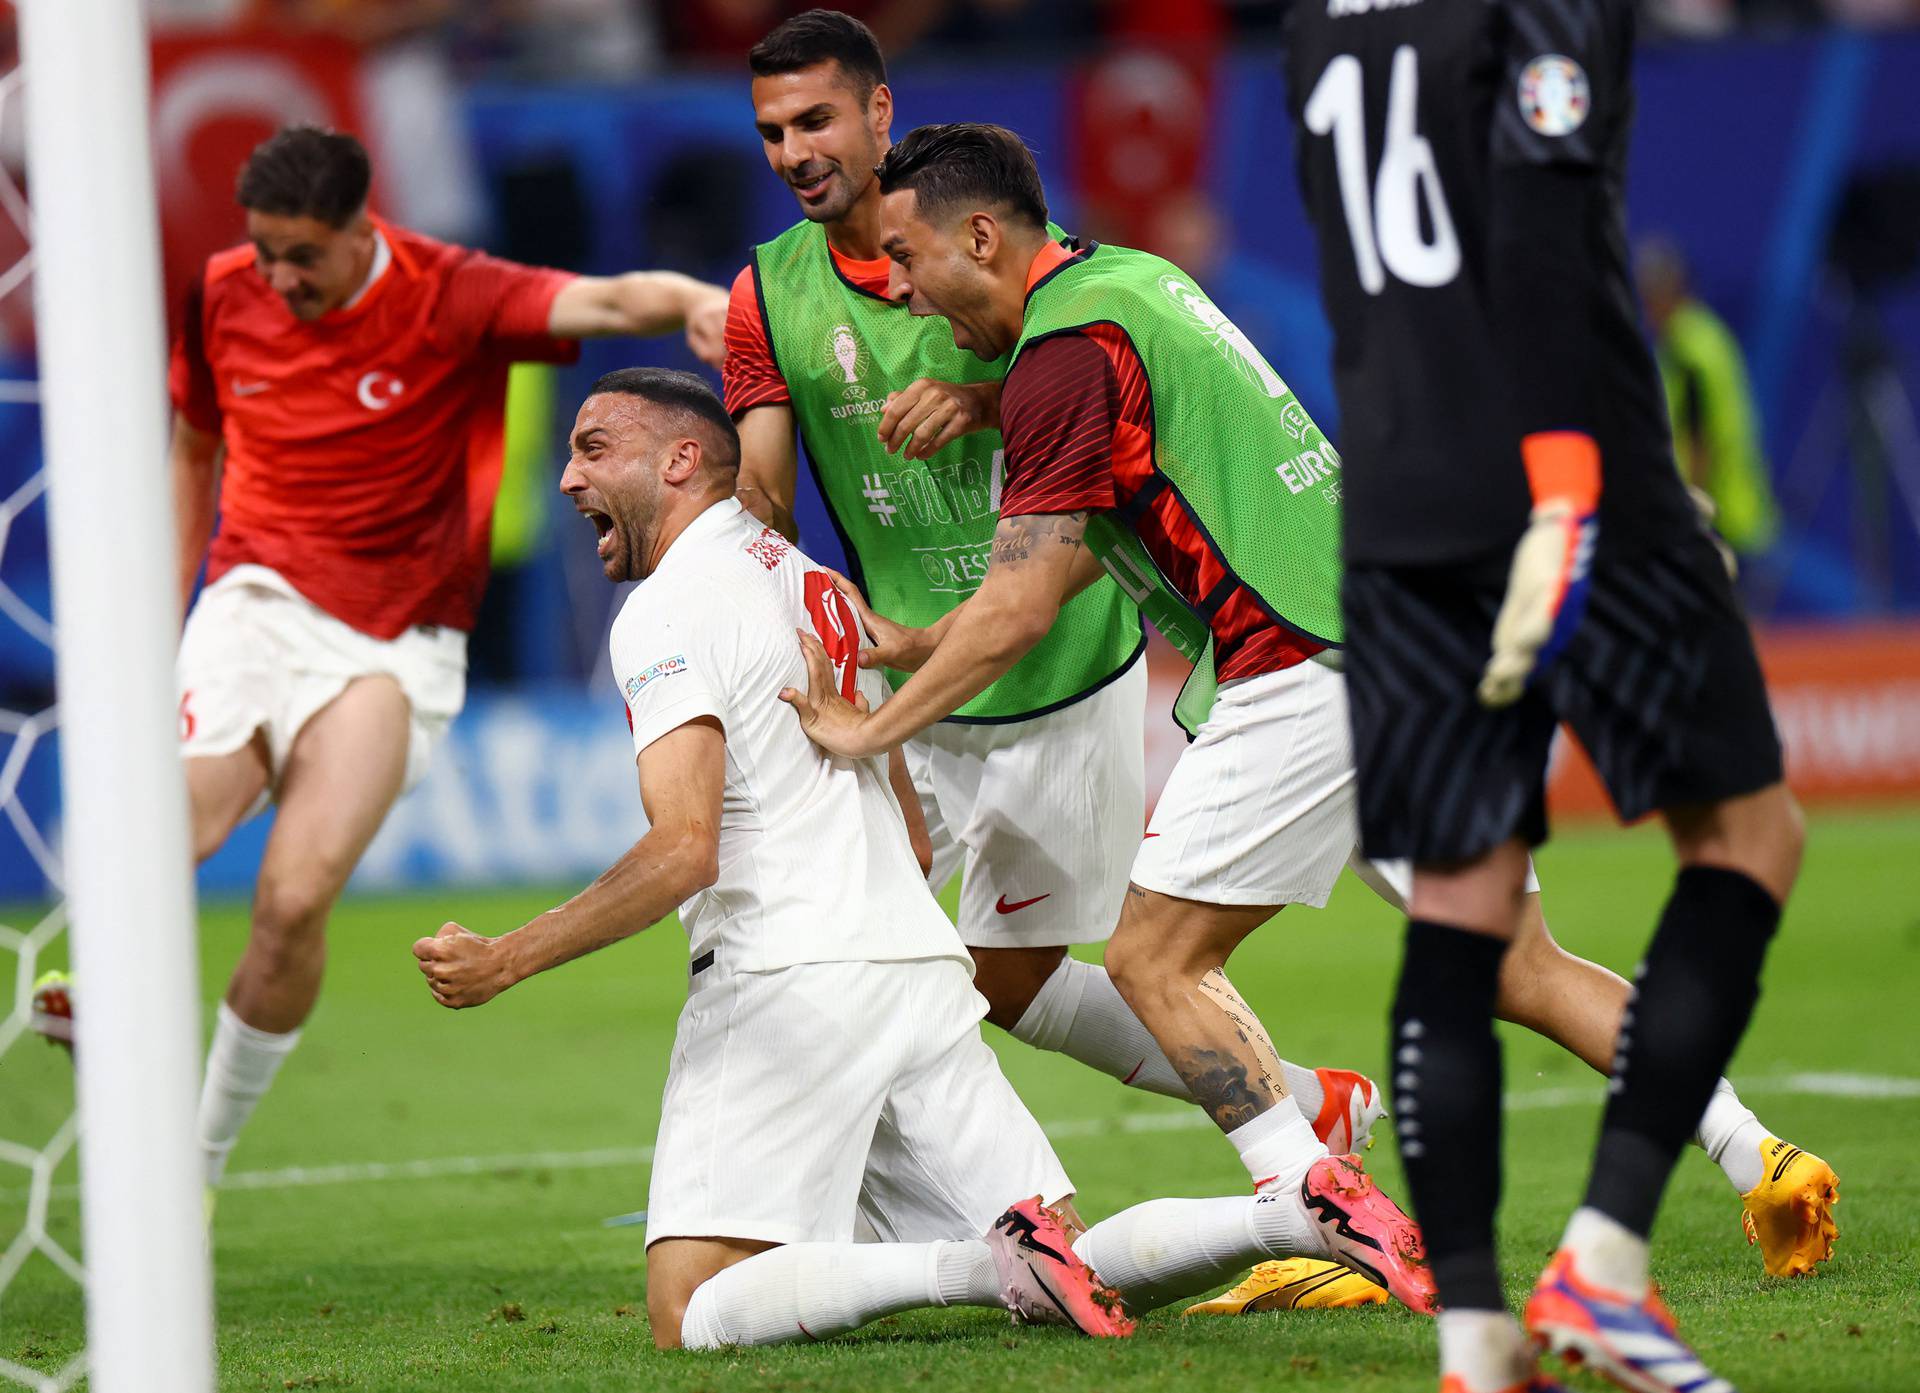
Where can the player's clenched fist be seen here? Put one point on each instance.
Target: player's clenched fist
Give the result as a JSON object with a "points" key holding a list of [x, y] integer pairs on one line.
{"points": [[926, 416], [461, 968]]}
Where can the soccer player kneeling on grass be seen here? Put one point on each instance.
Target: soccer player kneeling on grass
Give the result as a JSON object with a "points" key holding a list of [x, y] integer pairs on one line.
{"points": [[830, 1045]]}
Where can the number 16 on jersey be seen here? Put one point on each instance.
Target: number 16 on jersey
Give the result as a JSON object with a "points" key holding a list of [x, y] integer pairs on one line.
{"points": [[1383, 220]]}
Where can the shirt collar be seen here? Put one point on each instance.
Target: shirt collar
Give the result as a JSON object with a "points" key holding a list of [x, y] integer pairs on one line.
{"points": [[382, 259], [711, 519], [1048, 259]]}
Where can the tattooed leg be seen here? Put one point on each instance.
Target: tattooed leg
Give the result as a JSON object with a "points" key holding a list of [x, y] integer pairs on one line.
{"points": [[1246, 1025], [1167, 957]]}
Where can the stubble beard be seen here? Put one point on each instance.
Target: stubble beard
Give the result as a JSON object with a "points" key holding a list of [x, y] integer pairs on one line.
{"points": [[637, 529]]}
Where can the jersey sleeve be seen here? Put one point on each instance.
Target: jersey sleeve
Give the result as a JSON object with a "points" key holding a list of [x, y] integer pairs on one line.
{"points": [[190, 381], [750, 377], [1059, 411], [506, 306], [1564, 87], [667, 668], [1562, 106]]}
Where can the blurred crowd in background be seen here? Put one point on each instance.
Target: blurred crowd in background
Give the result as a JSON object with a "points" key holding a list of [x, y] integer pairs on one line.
{"points": [[1775, 196], [560, 38]]}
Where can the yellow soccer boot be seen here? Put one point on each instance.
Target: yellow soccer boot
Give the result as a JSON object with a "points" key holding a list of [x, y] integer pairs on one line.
{"points": [[1293, 1284], [1790, 1212]]}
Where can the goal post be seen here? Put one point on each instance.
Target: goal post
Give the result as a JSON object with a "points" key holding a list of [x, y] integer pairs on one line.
{"points": [[116, 610]]}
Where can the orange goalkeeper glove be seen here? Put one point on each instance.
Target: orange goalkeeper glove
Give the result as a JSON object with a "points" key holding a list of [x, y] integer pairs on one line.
{"points": [[1547, 585]]}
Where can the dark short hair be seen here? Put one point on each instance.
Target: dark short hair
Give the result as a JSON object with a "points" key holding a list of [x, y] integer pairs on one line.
{"points": [[678, 391], [819, 36], [306, 172], [966, 163]]}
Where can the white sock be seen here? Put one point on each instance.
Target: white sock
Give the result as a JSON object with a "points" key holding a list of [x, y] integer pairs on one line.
{"points": [[1164, 1250], [1278, 1147], [241, 1063], [1732, 1135], [1607, 1254], [1078, 1012], [807, 1291], [1304, 1087], [1485, 1350]]}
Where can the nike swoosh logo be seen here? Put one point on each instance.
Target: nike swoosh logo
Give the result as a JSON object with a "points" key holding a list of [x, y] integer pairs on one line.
{"points": [[1002, 907], [248, 389]]}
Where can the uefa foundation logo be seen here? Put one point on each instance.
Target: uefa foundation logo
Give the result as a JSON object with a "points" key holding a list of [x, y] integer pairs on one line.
{"points": [[850, 358], [666, 667], [1224, 335]]}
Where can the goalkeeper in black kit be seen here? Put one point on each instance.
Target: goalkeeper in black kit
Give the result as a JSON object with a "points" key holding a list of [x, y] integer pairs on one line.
{"points": [[1521, 552]]}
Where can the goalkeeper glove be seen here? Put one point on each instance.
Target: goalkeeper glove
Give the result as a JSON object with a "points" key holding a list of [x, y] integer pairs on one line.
{"points": [[1547, 585]]}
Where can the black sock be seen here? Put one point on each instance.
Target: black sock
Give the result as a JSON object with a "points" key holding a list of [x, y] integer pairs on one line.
{"points": [[1689, 1008], [1446, 1100]]}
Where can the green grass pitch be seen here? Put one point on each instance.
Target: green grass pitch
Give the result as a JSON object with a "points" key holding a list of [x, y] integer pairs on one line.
{"points": [[503, 1276]]}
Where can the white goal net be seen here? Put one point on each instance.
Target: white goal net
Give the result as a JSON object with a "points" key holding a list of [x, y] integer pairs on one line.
{"points": [[38, 1119]]}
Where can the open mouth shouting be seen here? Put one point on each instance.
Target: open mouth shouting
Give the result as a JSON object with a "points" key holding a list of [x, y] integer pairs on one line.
{"points": [[604, 529]]}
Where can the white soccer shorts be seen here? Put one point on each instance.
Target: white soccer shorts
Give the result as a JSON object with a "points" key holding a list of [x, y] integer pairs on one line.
{"points": [[799, 1097], [1262, 806], [258, 656], [1041, 817]]}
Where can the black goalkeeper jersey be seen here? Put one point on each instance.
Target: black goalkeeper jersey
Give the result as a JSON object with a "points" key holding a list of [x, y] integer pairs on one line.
{"points": [[1463, 163]]}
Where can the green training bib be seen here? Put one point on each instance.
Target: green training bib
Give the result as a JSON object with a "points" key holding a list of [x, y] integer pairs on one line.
{"points": [[917, 531], [1246, 462]]}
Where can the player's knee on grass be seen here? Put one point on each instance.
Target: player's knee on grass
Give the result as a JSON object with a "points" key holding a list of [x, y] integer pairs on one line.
{"points": [[677, 1268], [664, 1314], [1010, 978], [671, 1284]]}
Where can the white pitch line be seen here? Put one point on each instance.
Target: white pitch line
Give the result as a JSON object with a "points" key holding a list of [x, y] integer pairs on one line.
{"points": [[354, 1172], [1817, 1085]]}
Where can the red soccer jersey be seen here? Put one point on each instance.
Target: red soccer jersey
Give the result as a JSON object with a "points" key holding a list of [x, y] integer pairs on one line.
{"points": [[364, 448], [751, 378], [1077, 422]]}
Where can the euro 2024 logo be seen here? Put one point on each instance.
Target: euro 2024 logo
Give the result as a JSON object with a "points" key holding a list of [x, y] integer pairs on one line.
{"points": [[850, 358], [1224, 335]]}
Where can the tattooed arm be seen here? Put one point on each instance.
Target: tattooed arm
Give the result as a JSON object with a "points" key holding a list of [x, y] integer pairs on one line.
{"points": [[906, 649], [1032, 569]]}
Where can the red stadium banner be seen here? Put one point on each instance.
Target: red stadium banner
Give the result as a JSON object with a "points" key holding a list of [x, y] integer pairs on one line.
{"points": [[215, 96], [1847, 700]]}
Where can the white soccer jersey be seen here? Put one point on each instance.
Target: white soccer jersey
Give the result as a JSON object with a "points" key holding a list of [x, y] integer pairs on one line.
{"points": [[815, 864]]}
